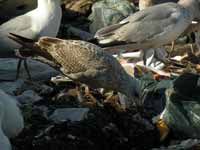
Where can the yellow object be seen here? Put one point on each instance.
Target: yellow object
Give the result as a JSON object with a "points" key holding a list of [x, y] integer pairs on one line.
{"points": [[163, 129]]}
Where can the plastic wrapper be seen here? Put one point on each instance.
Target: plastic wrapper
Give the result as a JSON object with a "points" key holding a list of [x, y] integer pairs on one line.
{"points": [[109, 12], [182, 110]]}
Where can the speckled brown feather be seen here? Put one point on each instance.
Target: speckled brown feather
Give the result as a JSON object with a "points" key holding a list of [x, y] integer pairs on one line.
{"points": [[89, 64], [86, 63]]}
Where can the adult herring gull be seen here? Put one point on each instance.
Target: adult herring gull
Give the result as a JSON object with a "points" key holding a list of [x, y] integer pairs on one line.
{"points": [[42, 21]]}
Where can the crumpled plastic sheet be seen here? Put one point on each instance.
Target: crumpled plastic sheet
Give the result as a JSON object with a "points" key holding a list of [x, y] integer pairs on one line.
{"points": [[107, 12]]}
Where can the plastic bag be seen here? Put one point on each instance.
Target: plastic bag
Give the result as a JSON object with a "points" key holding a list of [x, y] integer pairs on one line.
{"points": [[107, 12], [182, 110]]}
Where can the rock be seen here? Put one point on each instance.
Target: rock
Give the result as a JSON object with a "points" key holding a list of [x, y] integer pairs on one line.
{"points": [[18, 87], [38, 87], [41, 110], [107, 12], [11, 87], [28, 97], [184, 145], [12, 122], [45, 89], [79, 33], [72, 114], [39, 71]]}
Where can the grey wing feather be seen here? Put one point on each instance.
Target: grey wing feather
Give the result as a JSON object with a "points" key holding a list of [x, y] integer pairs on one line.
{"points": [[156, 12], [141, 25], [107, 31]]}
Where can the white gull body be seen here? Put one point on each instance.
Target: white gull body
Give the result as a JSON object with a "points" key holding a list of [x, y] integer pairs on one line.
{"points": [[42, 21], [152, 27], [12, 121], [4, 141]]}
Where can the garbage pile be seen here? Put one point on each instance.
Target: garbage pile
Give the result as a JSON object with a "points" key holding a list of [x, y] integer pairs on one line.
{"points": [[61, 114]]}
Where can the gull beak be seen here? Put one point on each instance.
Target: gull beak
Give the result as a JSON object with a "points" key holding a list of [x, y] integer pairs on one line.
{"points": [[20, 39], [26, 43]]}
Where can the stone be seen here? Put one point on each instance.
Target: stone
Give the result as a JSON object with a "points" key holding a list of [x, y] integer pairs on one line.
{"points": [[39, 71], [28, 97], [72, 114], [11, 87]]}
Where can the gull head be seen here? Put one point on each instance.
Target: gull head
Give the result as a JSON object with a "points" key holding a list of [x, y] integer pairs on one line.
{"points": [[48, 46], [193, 6], [47, 43]]}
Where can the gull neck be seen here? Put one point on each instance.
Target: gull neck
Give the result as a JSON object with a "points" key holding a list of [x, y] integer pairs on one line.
{"points": [[42, 4]]}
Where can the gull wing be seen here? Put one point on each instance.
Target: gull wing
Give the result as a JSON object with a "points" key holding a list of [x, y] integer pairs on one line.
{"points": [[143, 26]]}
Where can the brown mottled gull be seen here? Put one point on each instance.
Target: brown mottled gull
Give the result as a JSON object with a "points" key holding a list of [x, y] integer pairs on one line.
{"points": [[84, 62], [152, 27]]}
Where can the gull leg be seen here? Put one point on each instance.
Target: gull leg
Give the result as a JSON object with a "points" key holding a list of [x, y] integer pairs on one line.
{"points": [[21, 58], [26, 68], [119, 54], [160, 58], [171, 49], [155, 58], [161, 54], [18, 68], [197, 42], [147, 56]]}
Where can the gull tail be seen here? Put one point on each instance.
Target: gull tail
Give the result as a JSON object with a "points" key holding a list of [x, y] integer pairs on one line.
{"points": [[130, 47]]}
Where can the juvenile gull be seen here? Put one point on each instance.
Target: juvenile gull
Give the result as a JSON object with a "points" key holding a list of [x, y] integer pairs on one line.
{"points": [[85, 62], [152, 27], [42, 21]]}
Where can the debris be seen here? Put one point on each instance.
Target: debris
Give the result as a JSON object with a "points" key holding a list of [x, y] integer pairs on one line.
{"points": [[72, 114], [189, 144], [107, 12], [11, 87], [39, 71], [79, 6], [181, 112], [28, 97], [79, 33]]}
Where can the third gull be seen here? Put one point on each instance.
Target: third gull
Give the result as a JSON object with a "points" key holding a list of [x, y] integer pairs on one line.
{"points": [[42, 21]]}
